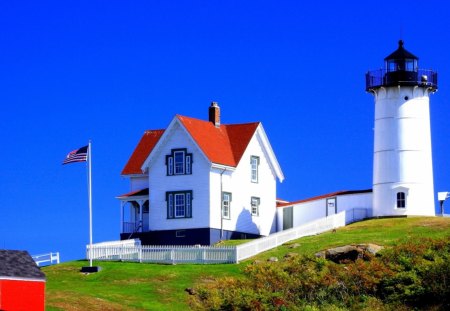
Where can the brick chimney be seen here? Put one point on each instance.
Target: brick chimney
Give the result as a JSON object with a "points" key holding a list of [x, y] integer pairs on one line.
{"points": [[214, 114]]}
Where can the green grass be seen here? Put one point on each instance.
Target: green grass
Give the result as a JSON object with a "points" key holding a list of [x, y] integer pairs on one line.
{"points": [[386, 232], [134, 286]]}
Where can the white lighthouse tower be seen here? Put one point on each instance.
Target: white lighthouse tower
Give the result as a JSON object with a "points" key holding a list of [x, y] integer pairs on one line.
{"points": [[402, 163]]}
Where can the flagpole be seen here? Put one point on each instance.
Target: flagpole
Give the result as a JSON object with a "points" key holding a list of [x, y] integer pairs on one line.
{"points": [[90, 202]]}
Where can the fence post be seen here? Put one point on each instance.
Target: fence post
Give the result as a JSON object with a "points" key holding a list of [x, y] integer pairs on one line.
{"points": [[140, 253]]}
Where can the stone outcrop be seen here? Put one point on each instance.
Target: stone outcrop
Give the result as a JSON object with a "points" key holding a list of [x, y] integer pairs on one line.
{"points": [[348, 253]]}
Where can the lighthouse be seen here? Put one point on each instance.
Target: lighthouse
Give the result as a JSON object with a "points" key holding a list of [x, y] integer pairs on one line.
{"points": [[402, 162]]}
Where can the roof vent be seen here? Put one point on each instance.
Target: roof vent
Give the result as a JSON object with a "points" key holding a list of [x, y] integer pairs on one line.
{"points": [[214, 114]]}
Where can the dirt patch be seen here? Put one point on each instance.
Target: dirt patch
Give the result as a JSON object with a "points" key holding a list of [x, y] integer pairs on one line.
{"points": [[130, 281], [165, 277], [70, 302], [207, 280], [439, 223]]}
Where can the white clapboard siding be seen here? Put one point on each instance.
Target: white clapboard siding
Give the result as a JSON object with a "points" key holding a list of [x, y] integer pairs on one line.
{"points": [[160, 184]]}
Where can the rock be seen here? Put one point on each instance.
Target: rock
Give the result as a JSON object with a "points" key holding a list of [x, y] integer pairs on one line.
{"points": [[290, 255], [272, 259], [295, 245], [320, 254], [372, 248], [190, 291], [344, 253], [257, 262], [350, 252]]}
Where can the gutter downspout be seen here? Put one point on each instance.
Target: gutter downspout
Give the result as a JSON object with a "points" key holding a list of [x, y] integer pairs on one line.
{"points": [[221, 204]]}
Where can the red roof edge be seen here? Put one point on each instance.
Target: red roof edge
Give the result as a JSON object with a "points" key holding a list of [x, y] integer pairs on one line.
{"points": [[135, 193], [140, 154], [323, 196]]}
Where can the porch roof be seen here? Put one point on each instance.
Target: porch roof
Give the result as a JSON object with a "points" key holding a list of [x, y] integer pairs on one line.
{"points": [[137, 194]]}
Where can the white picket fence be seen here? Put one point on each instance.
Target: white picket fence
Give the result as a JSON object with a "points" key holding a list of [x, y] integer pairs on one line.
{"points": [[321, 225], [132, 250], [46, 259], [164, 254]]}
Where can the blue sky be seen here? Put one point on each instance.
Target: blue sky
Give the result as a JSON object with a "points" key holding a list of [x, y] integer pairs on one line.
{"points": [[71, 71]]}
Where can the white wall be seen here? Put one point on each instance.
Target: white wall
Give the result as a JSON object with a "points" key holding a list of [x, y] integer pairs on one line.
{"points": [[239, 184], [138, 182], [312, 210], [160, 183]]}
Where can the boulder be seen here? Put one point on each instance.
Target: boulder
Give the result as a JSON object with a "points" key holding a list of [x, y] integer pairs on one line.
{"points": [[344, 253], [348, 253], [371, 248]]}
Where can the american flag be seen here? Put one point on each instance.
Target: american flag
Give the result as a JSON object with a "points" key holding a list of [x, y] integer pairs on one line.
{"points": [[78, 155]]}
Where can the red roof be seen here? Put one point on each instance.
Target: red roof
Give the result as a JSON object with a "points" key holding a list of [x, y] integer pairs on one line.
{"points": [[140, 154], [136, 193], [332, 194], [222, 145]]}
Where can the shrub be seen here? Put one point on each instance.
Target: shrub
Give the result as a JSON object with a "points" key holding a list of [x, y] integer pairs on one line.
{"points": [[412, 274]]}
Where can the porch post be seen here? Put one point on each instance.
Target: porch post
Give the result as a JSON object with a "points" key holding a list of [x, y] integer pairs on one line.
{"points": [[141, 224], [122, 204]]}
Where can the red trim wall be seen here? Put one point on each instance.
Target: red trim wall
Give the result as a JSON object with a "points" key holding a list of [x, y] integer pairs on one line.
{"points": [[22, 295]]}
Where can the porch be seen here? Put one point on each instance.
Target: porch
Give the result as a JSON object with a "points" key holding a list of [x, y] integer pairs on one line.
{"points": [[134, 211]]}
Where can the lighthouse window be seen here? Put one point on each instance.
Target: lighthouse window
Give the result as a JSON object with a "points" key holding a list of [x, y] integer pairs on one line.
{"points": [[409, 64], [401, 200], [392, 65]]}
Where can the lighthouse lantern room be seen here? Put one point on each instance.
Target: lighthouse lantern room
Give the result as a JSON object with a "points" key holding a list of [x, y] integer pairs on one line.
{"points": [[402, 162]]}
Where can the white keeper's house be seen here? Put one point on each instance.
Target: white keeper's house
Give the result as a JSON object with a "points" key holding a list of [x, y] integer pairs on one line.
{"points": [[199, 182]]}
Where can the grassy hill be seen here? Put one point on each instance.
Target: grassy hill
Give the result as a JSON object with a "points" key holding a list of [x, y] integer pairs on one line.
{"points": [[134, 286]]}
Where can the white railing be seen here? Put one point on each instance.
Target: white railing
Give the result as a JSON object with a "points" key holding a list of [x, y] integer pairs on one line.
{"points": [[341, 219], [129, 227], [132, 250], [46, 259], [164, 254]]}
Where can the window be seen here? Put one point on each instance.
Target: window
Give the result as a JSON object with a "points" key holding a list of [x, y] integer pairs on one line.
{"points": [[179, 204], [180, 233], [401, 200], [179, 162], [254, 163], [255, 206], [409, 65], [392, 65], [226, 202]]}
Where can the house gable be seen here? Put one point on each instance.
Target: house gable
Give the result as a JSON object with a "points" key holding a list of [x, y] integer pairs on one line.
{"points": [[192, 188], [223, 145], [174, 126]]}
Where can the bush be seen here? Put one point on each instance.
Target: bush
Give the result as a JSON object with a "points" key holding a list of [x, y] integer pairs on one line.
{"points": [[412, 274]]}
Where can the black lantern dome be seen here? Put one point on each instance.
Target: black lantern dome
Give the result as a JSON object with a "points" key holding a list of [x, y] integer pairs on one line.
{"points": [[401, 68], [401, 60]]}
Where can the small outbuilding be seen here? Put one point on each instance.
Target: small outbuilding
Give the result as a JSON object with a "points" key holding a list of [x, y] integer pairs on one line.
{"points": [[22, 283]]}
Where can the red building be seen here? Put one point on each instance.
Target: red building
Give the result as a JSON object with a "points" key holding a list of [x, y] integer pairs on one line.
{"points": [[22, 283]]}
